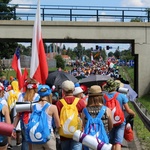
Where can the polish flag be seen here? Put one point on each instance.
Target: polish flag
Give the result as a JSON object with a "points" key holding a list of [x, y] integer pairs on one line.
{"points": [[17, 67], [24, 78], [38, 65], [25, 74]]}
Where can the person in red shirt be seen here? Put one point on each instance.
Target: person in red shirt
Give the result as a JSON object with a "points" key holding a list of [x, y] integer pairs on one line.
{"points": [[67, 90]]}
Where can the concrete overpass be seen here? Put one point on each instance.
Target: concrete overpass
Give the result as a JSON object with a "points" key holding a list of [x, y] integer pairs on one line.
{"points": [[136, 33]]}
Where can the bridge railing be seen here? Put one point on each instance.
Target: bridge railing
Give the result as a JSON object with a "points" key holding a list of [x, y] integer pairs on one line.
{"points": [[78, 13]]}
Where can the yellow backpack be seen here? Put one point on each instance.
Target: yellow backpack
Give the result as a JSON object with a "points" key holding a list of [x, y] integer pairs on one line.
{"points": [[69, 119], [12, 99]]}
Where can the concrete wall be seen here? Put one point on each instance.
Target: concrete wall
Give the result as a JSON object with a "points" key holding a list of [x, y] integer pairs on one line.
{"points": [[25, 62]]}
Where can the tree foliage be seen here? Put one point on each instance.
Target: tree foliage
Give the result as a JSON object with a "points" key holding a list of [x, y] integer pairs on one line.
{"points": [[126, 55], [7, 48], [79, 51], [137, 19], [5, 10], [60, 62], [117, 54], [110, 54]]}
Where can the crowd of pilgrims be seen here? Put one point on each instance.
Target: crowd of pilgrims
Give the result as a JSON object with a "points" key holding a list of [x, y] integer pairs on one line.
{"points": [[109, 68]]}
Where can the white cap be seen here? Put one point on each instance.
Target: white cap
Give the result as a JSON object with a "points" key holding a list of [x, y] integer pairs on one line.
{"points": [[77, 90], [68, 86]]}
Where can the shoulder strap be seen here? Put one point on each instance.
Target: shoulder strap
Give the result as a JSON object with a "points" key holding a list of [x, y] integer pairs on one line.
{"points": [[116, 94], [1, 106], [101, 112], [74, 102], [87, 115], [63, 102], [46, 106], [106, 97]]}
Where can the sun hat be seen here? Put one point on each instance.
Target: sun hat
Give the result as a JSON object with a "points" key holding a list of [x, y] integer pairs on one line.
{"points": [[77, 90], [111, 85], [95, 90], [68, 86], [44, 90]]}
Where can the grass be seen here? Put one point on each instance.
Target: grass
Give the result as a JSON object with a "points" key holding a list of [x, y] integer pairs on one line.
{"points": [[10, 72], [142, 133]]}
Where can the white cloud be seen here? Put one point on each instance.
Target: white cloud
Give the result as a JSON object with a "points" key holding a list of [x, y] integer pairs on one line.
{"points": [[23, 2], [136, 3]]}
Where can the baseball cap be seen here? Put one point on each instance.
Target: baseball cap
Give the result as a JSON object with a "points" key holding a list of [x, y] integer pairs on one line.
{"points": [[68, 86]]}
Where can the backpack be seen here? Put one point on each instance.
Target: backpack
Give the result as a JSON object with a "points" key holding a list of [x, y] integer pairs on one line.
{"points": [[95, 126], [37, 129], [2, 119], [12, 99], [117, 113], [69, 119], [1, 115]]}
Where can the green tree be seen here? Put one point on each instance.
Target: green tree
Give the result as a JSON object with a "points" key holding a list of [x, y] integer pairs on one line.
{"points": [[117, 53], [78, 51], [137, 19], [7, 12], [103, 54], [126, 55], [7, 48], [71, 53], [110, 54], [60, 62], [25, 50]]}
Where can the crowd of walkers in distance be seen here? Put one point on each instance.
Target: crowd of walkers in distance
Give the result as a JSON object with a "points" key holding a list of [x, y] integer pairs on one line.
{"points": [[81, 99]]}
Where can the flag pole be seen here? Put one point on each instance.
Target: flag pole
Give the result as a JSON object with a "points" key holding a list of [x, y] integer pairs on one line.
{"points": [[38, 64]]}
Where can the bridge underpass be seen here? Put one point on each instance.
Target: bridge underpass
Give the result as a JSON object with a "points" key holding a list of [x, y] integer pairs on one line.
{"points": [[136, 33]]}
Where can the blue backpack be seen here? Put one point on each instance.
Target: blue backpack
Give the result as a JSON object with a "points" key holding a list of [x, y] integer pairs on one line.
{"points": [[95, 126], [1, 115], [2, 119], [37, 129]]}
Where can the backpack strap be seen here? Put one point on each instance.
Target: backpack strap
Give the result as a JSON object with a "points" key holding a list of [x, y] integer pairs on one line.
{"points": [[87, 115], [76, 100], [116, 94], [44, 107], [107, 98], [1, 106], [101, 112]]}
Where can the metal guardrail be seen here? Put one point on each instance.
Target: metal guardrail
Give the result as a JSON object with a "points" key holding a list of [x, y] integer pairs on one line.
{"points": [[143, 113], [79, 13]]}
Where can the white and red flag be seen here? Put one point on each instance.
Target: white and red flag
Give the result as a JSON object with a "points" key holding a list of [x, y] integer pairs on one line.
{"points": [[38, 65], [17, 67]]}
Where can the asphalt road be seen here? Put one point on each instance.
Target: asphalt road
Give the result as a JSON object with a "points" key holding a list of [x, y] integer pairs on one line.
{"points": [[134, 145]]}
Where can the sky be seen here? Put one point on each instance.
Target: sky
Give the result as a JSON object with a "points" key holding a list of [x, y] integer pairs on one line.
{"points": [[110, 3], [117, 3]]}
